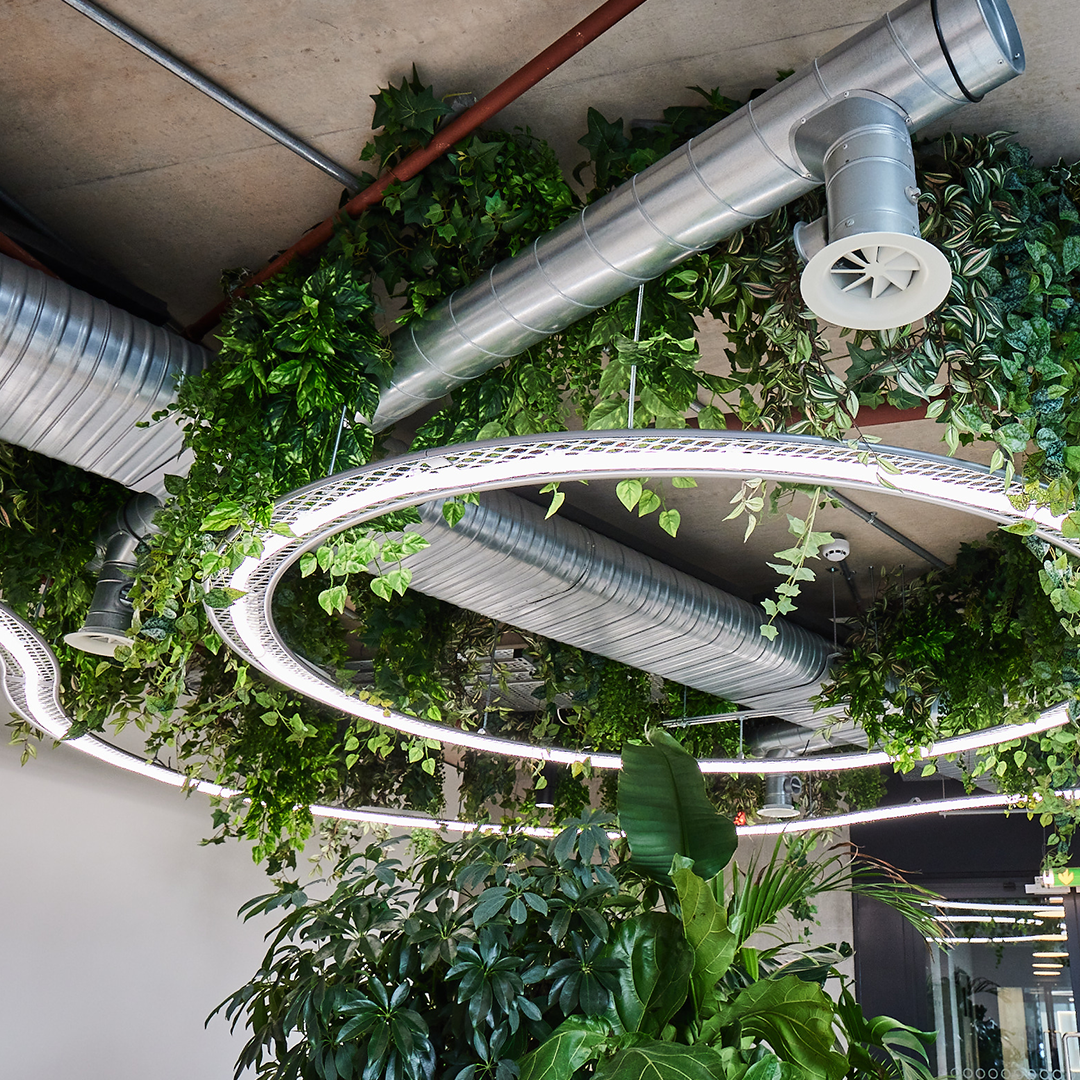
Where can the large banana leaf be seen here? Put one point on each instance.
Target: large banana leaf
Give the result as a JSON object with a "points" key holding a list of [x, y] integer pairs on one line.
{"points": [[664, 811]]}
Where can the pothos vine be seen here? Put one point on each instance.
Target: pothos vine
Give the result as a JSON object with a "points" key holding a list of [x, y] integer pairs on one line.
{"points": [[304, 354]]}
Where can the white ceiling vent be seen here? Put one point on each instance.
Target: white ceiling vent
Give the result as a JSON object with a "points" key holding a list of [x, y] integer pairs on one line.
{"points": [[873, 281], [868, 268]]}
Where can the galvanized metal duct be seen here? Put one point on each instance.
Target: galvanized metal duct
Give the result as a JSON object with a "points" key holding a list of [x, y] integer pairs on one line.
{"points": [[557, 578], [77, 375], [928, 57]]}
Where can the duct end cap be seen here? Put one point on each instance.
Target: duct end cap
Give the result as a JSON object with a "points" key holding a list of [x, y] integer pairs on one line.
{"points": [[876, 280], [98, 642]]}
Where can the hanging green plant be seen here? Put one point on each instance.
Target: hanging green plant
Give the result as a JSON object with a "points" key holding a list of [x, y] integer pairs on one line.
{"points": [[976, 645], [302, 356]]}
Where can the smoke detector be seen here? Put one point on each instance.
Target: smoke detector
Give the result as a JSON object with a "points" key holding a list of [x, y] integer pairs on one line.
{"points": [[876, 280], [837, 550]]}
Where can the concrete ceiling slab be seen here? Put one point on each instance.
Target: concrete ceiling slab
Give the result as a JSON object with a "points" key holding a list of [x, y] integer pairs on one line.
{"points": [[145, 173]]}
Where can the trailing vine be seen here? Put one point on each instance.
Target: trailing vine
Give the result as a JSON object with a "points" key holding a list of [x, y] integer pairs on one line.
{"points": [[302, 357], [972, 646]]}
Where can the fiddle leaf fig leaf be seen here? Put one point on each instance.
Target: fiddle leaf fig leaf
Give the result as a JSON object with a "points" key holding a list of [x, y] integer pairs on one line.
{"points": [[795, 1018], [656, 1060], [574, 1043]]}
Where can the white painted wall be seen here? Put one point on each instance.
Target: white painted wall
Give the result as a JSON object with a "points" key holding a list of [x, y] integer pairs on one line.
{"points": [[118, 933]]}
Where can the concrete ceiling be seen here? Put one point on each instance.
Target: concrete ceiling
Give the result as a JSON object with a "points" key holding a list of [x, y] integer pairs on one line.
{"points": [[139, 170]]}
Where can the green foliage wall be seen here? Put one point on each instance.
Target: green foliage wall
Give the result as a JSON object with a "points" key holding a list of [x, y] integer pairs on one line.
{"points": [[997, 362]]}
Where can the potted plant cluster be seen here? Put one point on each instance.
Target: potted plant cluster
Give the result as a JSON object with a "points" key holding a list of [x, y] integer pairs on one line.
{"points": [[508, 957]]}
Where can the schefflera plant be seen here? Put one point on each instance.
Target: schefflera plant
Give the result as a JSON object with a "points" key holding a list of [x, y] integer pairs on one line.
{"points": [[506, 957]]}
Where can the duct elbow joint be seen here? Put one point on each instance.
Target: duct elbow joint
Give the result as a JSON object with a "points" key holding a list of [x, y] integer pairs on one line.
{"points": [[868, 267]]}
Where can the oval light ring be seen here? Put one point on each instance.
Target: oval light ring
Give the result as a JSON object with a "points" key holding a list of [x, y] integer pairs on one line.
{"points": [[316, 513], [30, 674]]}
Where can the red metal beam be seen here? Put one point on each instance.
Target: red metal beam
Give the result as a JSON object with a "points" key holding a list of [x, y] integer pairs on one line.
{"points": [[13, 250], [572, 42]]}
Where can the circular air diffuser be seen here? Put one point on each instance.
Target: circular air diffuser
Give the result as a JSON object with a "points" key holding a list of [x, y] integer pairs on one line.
{"points": [[97, 641], [876, 280]]}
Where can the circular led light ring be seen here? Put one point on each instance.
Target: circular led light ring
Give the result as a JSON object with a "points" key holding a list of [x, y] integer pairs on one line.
{"points": [[315, 513], [30, 675]]}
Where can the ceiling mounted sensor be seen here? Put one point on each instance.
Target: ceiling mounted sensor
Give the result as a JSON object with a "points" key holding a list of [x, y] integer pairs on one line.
{"points": [[837, 549], [868, 268]]}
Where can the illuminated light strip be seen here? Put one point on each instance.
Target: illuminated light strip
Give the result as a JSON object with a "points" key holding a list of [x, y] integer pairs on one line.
{"points": [[1055, 912], [990, 919], [30, 673], [995, 940], [1049, 954], [316, 513]]}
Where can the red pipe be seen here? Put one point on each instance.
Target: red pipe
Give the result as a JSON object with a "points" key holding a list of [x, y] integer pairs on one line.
{"points": [[572, 42], [13, 250], [880, 414]]}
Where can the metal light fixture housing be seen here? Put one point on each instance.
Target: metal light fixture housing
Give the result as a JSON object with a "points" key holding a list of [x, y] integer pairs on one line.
{"points": [[105, 628], [782, 791]]}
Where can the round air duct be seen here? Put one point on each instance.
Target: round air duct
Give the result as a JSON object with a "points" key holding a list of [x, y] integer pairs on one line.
{"points": [[868, 268], [105, 627], [781, 792]]}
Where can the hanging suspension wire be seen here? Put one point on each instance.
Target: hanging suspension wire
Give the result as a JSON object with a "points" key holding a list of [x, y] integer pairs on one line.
{"points": [[633, 367]]}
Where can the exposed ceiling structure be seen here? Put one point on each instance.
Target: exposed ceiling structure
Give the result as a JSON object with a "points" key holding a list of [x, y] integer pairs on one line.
{"points": [[155, 185], [142, 172]]}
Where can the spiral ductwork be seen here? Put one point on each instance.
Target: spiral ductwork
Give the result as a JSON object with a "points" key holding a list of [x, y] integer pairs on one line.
{"points": [[557, 578], [926, 58], [77, 375]]}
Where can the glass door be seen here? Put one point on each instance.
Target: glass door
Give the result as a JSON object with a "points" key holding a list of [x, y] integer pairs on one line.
{"points": [[1001, 992]]}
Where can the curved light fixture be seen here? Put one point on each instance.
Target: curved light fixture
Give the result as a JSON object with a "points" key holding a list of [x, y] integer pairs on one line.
{"points": [[316, 513], [30, 674]]}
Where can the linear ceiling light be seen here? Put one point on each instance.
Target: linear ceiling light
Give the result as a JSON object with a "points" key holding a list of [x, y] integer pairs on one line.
{"points": [[316, 513], [1045, 912], [30, 674], [1017, 940]]}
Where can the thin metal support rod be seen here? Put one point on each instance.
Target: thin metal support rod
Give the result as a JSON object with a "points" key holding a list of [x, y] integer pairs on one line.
{"points": [[872, 519], [633, 367], [337, 441], [832, 581], [211, 89], [849, 577], [491, 675]]}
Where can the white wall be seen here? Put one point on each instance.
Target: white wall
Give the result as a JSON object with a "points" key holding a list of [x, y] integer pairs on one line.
{"points": [[118, 933]]}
